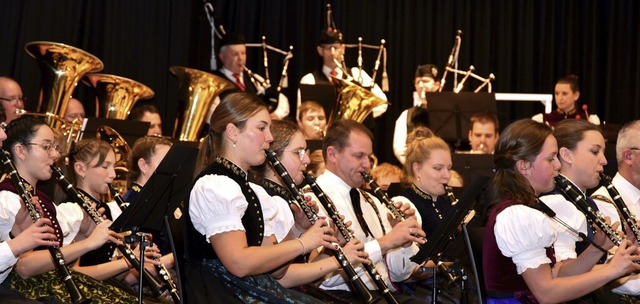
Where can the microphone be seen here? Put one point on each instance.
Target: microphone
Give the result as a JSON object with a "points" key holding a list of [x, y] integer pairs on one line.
{"points": [[586, 113]]}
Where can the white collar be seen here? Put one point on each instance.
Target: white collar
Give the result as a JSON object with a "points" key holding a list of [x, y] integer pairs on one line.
{"points": [[628, 189]]}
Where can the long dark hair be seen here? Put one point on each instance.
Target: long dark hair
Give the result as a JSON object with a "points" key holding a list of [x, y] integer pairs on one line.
{"points": [[21, 131], [521, 140]]}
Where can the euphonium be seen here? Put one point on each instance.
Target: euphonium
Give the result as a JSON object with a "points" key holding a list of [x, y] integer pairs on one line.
{"points": [[61, 66], [116, 95], [122, 152], [198, 90]]}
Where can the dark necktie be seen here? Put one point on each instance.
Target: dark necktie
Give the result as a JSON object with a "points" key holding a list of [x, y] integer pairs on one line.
{"points": [[238, 82], [355, 201]]}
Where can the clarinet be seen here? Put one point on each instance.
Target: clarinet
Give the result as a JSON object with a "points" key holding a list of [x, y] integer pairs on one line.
{"points": [[356, 282], [382, 196], [625, 213], [116, 196], [596, 217], [126, 251], [333, 212], [165, 275], [61, 265]]}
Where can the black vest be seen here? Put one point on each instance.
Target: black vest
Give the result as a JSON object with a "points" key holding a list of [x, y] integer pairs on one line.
{"points": [[196, 246]]}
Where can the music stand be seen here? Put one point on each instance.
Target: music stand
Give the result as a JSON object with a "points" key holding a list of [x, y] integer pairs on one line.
{"points": [[469, 165], [449, 113], [130, 130], [167, 187], [324, 94]]}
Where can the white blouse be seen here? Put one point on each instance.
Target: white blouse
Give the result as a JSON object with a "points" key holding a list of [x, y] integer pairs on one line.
{"points": [[523, 233], [217, 205]]}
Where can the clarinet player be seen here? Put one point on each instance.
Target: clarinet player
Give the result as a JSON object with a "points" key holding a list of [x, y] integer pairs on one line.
{"points": [[389, 243], [33, 150]]}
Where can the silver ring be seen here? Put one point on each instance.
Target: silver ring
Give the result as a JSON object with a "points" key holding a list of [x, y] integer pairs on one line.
{"points": [[411, 231]]}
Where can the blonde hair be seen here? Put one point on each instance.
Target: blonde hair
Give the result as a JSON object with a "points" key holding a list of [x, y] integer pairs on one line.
{"points": [[423, 142], [386, 169]]}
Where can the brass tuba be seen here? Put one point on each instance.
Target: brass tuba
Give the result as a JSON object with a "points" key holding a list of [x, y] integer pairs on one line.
{"points": [[116, 95], [122, 152], [198, 90], [61, 66], [353, 101]]}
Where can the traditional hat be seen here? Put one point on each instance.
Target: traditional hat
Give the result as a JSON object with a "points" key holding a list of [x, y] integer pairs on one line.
{"points": [[427, 70], [232, 39]]}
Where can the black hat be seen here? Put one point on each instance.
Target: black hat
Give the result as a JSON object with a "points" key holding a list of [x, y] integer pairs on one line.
{"points": [[427, 70], [330, 37], [231, 39]]}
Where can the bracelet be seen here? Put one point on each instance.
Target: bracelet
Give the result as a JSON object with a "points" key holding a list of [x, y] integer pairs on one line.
{"points": [[304, 250]]}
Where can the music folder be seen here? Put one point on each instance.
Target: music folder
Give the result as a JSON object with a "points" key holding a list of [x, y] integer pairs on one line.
{"points": [[165, 190], [449, 112]]}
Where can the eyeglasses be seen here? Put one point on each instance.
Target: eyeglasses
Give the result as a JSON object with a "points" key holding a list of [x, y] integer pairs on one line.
{"points": [[49, 147], [21, 98], [301, 153]]}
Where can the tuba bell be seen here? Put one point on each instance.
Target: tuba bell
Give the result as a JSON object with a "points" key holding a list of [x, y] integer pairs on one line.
{"points": [[353, 101], [61, 66], [198, 90], [116, 95]]}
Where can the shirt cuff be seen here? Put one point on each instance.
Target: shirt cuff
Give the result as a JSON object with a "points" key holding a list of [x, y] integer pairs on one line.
{"points": [[374, 251]]}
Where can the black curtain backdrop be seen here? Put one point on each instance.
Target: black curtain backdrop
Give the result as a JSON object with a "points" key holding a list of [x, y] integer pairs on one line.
{"points": [[528, 45]]}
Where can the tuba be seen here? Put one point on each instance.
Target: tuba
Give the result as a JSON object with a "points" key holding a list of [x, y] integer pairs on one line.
{"points": [[61, 66], [198, 90], [116, 95], [122, 152], [353, 102]]}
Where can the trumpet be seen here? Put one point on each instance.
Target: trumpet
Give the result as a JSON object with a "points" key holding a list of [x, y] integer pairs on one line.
{"points": [[59, 262]]}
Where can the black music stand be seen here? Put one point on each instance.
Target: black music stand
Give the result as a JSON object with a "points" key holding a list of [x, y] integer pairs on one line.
{"points": [[163, 193], [130, 130], [446, 233], [469, 165], [449, 113]]}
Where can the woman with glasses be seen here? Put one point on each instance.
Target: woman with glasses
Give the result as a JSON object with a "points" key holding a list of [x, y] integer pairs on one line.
{"points": [[33, 150], [232, 254], [291, 149]]}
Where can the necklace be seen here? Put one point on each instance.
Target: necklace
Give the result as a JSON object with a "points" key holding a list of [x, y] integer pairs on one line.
{"points": [[427, 197]]}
